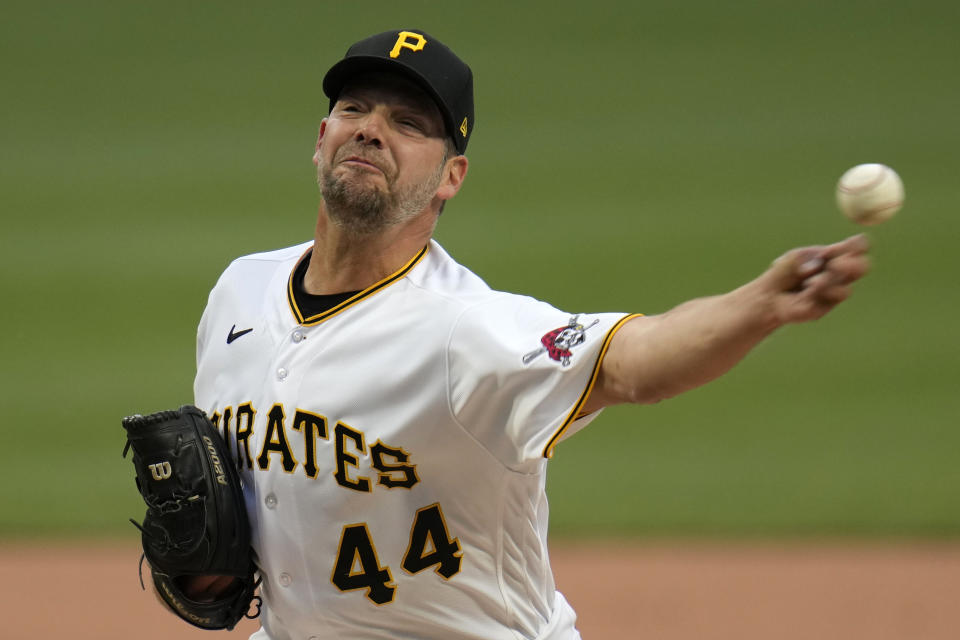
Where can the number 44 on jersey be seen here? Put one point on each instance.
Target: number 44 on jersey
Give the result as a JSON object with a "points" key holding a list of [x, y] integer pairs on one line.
{"points": [[358, 567]]}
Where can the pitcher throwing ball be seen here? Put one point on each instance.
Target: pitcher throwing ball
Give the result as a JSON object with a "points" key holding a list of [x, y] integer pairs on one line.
{"points": [[392, 417]]}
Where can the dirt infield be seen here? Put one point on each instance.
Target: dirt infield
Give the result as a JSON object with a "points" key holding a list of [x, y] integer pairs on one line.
{"points": [[668, 592]]}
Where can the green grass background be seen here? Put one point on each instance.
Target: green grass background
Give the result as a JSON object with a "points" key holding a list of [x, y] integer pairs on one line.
{"points": [[627, 156]]}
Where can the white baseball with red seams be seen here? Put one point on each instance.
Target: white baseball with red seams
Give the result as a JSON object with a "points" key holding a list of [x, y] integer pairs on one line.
{"points": [[870, 193], [394, 448]]}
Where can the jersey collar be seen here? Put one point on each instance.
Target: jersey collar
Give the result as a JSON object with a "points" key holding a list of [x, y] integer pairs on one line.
{"points": [[349, 302]]}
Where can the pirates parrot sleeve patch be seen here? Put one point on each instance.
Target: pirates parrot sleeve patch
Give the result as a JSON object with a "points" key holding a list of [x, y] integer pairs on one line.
{"points": [[518, 371]]}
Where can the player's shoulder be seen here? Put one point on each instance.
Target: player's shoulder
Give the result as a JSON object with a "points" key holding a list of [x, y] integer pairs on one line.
{"points": [[264, 263], [439, 273], [265, 259], [451, 284], [464, 295], [253, 275]]}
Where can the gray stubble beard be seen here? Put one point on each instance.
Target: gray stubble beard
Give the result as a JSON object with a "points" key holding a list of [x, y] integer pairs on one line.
{"points": [[365, 210]]}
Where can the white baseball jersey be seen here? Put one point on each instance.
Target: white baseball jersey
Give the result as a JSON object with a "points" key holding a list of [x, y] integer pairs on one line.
{"points": [[394, 447]]}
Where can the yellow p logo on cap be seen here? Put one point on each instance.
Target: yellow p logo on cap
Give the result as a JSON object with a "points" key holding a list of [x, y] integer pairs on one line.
{"points": [[402, 43]]}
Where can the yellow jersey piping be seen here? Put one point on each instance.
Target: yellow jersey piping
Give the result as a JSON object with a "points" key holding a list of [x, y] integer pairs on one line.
{"points": [[572, 416], [349, 302]]}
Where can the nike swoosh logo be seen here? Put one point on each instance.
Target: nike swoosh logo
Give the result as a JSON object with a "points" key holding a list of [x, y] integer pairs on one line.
{"points": [[233, 335]]}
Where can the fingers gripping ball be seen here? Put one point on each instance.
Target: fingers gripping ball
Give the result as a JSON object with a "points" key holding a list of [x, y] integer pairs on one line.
{"points": [[870, 194], [196, 521]]}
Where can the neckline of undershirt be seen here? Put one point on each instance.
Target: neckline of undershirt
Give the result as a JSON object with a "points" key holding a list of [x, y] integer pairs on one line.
{"points": [[312, 304]]}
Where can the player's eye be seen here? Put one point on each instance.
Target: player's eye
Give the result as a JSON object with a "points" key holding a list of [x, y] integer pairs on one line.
{"points": [[350, 107], [411, 123]]}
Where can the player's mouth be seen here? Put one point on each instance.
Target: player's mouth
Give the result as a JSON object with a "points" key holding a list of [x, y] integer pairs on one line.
{"points": [[362, 163]]}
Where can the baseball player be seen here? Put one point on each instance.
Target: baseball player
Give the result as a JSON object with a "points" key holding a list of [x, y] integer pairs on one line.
{"points": [[392, 417]]}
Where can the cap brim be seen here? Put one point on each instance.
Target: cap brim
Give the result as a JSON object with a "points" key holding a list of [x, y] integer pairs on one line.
{"points": [[341, 73]]}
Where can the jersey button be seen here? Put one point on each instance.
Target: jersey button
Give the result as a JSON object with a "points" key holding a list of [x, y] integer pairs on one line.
{"points": [[270, 501], [285, 579], [298, 336], [281, 373]]}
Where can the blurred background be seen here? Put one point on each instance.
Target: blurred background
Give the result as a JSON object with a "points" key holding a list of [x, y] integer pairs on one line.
{"points": [[626, 157]]}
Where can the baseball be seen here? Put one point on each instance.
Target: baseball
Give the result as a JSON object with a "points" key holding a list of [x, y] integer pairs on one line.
{"points": [[870, 194]]}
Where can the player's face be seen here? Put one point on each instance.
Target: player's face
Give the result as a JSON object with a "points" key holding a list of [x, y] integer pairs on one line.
{"points": [[381, 155]]}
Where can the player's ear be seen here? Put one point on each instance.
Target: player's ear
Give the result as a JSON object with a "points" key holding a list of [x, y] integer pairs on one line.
{"points": [[316, 150], [454, 173]]}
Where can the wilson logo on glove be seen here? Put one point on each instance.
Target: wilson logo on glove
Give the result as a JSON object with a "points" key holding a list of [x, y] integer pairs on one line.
{"points": [[160, 470]]}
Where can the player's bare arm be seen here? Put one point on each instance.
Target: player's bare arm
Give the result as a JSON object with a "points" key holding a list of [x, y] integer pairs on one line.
{"points": [[657, 357]]}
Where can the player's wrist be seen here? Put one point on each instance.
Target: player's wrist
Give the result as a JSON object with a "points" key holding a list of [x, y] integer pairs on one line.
{"points": [[758, 305]]}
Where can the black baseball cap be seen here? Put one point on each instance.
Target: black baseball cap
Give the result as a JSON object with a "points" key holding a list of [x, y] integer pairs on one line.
{"points": [[421, 58]]}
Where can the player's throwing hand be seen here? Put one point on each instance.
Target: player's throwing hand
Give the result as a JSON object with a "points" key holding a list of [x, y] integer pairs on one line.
{"points": [[808, 282]]}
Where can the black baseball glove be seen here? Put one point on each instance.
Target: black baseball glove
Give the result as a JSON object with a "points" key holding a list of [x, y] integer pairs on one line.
{"points": [[196, 521]]}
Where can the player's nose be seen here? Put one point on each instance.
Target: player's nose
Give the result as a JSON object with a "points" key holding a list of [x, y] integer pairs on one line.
{"points": [[370, 130]]}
